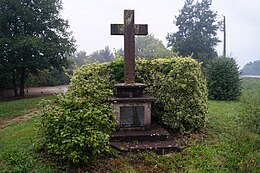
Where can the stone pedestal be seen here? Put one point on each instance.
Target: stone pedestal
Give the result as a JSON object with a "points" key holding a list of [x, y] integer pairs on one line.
{"points": [[124, 90], [132, 108]]}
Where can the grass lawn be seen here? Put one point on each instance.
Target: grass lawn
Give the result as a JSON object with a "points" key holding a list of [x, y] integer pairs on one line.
{"points": [[229, 143], [10, 109], [17, 152]]}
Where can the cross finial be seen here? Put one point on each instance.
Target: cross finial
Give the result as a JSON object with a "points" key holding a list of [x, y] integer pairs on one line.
{"points": [[129, 30]]}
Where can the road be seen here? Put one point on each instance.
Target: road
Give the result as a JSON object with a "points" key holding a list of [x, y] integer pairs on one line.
{"points": [[37, 91]]}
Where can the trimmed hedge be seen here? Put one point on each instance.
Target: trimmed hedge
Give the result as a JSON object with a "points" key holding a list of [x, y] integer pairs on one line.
{"points": [[179, 86], [76, 125]]}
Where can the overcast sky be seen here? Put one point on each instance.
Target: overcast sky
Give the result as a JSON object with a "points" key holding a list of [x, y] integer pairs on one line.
{"points": [[90, 23]]}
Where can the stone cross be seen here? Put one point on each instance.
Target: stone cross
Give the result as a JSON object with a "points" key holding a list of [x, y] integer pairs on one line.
{"points": [[129, 30]]}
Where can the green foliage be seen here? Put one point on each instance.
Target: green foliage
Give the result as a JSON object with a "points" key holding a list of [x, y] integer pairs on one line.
{"points": [[33, 37], [80, 58], [252, 68], [103, 55], [117, 69], [17, 151], [223, 79], [251, 118], [180, 89], [225, 146], [48, 77], [11, 109], [197, 31], [5, 81], [234, 144], [76, 125], [149, 47], [250, 101]]}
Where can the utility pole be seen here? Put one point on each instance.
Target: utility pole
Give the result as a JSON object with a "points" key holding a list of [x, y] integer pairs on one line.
{"points": [[224, 30]]}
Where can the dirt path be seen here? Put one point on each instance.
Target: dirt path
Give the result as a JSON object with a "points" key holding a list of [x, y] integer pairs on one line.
{"points": [[41, 91], [9, 121], [36, 91], [29, 93]]}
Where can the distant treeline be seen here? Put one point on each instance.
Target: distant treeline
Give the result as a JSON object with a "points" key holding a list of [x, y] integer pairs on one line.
{"points": [[252, 68]]}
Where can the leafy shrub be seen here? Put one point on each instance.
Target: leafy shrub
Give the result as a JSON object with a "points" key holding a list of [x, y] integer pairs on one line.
{"points": [[117, 69], [223, 79], [76, 125], [180, 88]]}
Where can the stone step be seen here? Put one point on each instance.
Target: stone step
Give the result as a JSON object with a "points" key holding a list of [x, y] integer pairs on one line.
{"points": [[156, 133], [160, 147]]}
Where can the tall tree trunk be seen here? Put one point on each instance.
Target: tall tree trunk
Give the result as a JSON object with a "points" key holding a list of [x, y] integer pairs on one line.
{"points": [[14, 84], [22, 82]]}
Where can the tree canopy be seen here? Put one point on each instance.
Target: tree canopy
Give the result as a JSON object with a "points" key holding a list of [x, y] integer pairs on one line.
{"points": [[80, 58], [103, 55], [148, 47], [33, 36], [252, 68], [197, 30]]}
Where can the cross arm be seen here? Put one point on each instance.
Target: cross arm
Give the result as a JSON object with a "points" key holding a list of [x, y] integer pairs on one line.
{"points": [[141, 29], [117, 29]]}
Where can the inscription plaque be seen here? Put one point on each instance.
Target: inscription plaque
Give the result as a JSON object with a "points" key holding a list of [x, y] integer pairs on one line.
{"points": [[131, 116]]}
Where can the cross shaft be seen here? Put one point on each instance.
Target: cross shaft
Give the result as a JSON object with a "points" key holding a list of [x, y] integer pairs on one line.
{"points": [[129, 30]]}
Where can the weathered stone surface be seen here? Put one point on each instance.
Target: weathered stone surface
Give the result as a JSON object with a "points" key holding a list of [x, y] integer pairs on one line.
{"points": [[157, 139], [132, 109], [156, 133], [131, 116], [161, 147], [129, 29], [145, 98], [146, 115], [125, 90]]}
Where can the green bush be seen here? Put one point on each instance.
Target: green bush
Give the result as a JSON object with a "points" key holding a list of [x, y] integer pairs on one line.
{"points": [[76, 125], [117, 69], [223, 79], [180, 89]]}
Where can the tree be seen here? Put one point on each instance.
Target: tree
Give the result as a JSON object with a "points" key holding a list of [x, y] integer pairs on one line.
{"points": [[103, 55], [197, 30], [49, 77], [33, 37], [252, 68], [148, 47], [80, 58]]}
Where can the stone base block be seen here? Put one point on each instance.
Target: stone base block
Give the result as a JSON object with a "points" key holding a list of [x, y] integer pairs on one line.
{"points": [[133, 113]]}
